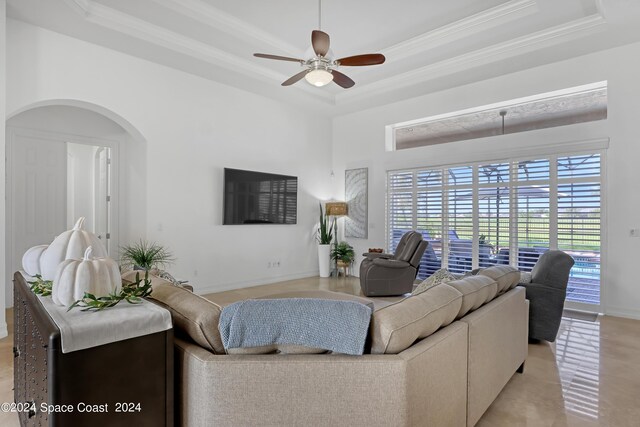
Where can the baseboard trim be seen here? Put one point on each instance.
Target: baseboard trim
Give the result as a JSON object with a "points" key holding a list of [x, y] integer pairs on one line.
{"points": [[623, 312], [221, 287]]}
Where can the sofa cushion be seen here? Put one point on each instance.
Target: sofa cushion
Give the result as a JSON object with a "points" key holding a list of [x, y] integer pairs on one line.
{"points": [[277, 349], [476, 291], [396, 327], [505, 276], [439, 276], [192, 315]]}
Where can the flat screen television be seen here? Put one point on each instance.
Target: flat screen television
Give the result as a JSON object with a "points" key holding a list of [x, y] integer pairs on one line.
{"points": [[259, 198]]}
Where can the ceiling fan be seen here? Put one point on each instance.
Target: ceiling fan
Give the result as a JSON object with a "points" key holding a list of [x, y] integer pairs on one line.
{"points": [[320, 68]]}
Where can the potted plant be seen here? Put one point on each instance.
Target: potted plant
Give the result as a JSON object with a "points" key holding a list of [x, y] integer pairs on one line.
{"points": [[144, 255], [343, 254], [324, 236]]}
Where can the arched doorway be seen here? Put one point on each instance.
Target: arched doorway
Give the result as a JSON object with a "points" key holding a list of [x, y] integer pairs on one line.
{"points": [[65, 160]]}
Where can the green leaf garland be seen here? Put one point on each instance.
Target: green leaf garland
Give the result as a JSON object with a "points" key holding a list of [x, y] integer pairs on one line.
{"points": [[40, 286], [132, 293]]}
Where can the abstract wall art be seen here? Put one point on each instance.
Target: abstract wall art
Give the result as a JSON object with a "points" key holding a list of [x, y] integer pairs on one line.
{"points": [[355, 190]]}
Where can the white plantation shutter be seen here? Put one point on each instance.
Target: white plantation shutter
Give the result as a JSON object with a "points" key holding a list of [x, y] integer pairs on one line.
{"points": [[429, 218], [411, 207], [494, 213], [506, 212], [400, 218], [532, 196], [532, 220], [579, 224], [460, 219]]}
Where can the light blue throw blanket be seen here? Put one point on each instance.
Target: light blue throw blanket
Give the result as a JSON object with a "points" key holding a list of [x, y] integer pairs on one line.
{"points": [[338, 326]]}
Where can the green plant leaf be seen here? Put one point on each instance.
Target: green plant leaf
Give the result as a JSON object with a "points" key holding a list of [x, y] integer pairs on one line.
{"points": [[40, 286], [145, 255], [343, 251], [325, 230]]}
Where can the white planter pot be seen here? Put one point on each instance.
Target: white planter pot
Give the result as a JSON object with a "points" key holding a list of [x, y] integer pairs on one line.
{"points": [[324, 260]]}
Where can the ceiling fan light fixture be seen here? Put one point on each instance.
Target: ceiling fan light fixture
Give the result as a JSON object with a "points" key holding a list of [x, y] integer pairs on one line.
{"points": [[320, 64], [319, 77]]}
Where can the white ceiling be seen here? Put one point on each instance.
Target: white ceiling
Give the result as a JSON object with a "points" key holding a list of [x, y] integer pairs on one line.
{"points": [[429, 44]]}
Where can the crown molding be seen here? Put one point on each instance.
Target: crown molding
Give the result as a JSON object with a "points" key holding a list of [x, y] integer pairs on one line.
{"points": [[79, 6], [222, 21], [501, 51], [466, 27], [115, 20]]}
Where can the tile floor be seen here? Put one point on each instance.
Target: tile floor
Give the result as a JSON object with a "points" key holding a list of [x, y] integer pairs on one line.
{"points": [[589, 377]]}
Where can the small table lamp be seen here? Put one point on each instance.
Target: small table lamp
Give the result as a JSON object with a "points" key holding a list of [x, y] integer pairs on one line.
{"points": [[336, 209]]}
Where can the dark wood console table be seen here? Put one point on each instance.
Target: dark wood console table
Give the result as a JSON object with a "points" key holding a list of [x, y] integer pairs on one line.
{"points": [[134, 376]]}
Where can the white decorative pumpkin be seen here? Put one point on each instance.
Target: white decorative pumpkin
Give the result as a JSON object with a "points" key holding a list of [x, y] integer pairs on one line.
{"points": [[31, 259], [74, 277], [69, 245]]}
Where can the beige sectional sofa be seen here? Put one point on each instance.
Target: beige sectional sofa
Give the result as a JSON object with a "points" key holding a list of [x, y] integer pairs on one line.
{"points": [[439, 358]]}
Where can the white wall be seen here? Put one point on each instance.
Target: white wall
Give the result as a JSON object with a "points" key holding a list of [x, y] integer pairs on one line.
{"points": [[3, 32], [193, 128], [359, 141]]}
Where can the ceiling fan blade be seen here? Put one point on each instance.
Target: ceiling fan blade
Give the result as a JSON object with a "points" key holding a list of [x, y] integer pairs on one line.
{"points": [[360, 60], [295, 78], [276, 57], [320, 42], [342, 80]]}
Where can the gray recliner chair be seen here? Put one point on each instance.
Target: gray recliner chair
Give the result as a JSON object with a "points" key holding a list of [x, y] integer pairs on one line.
{"points": [[386, 274], [546, 294]]}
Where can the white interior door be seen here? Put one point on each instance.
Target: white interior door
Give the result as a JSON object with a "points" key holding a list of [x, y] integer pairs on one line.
{"points": [[38, 193], [102, 195]]}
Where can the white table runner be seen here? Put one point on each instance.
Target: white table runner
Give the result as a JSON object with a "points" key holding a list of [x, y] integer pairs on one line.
{"points": [[85, 329]]}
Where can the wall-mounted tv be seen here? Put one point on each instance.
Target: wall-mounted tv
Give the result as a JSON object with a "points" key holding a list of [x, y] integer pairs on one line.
{"points": [[259, 198]]}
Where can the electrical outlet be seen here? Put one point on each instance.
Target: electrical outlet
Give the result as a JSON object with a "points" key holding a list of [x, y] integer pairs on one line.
{"points": [[195, 273], [634, 232]]}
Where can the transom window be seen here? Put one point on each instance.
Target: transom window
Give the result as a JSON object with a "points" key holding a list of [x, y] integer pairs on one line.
{"points": [[504, 212], [568, 106]]}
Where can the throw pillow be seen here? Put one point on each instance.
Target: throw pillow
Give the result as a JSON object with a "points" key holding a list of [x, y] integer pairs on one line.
{"points": [[439, 276], [525, 277]]}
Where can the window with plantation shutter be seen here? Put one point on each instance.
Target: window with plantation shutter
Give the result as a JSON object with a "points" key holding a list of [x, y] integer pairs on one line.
{"points": [[532, 219], [429, 218], [459, 219], [493, 213], [579, 222], [400, 206], [504, 212], [415, 203]]}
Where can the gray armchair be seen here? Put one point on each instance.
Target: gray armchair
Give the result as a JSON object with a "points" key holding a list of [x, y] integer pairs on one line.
{"points": [[546, 294], [386, 274]]}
